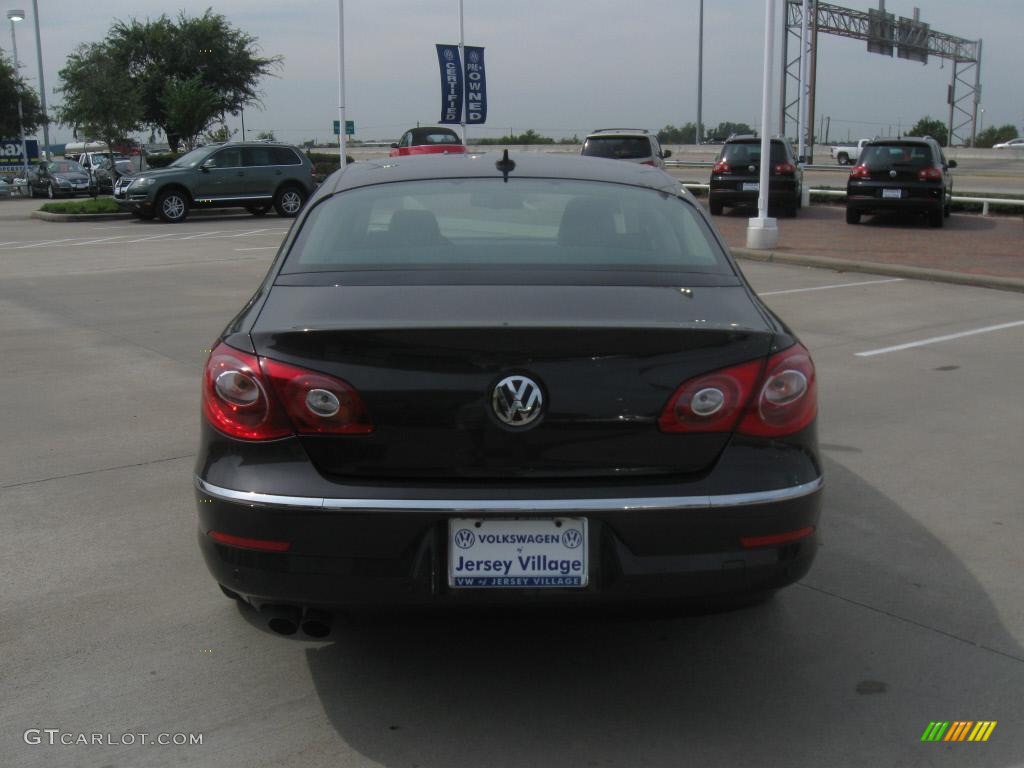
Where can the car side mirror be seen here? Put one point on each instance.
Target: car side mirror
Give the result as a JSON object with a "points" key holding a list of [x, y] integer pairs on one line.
{"points": [[395, 145], [952, 164], [665, 154], [207, 165]]}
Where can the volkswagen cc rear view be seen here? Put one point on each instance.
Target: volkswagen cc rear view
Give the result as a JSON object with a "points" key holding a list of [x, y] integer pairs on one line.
{"points": [[516, 380]]}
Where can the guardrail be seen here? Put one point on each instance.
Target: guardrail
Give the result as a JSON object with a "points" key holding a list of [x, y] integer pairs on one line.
{"points": [[710, 164], [985, 201]]}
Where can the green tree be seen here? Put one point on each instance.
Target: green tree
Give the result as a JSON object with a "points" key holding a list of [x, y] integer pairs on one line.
{"points": [[219, 135], [190, 108], [266, 136], [158, 52], [993, 135], [100, 98], [724, 130], [929, 126], [12, 90], [685, 134]]}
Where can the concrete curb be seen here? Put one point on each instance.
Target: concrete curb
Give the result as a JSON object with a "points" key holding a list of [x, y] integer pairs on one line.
{"points": [[890, 270], [78, 216]]}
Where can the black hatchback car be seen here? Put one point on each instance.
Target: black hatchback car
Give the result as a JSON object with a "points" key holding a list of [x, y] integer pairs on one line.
{"points": [[479, 380], [907, 174], [736, 176]]}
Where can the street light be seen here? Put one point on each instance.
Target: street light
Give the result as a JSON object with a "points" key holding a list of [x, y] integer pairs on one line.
{"points": [[13, 16]]}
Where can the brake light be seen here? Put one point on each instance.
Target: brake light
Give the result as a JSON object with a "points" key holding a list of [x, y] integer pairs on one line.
{"points": [[712, 402], [316, 403], [775, 539], [930, 174], [720, 167], [754, 398], [860, 172], [785, 169], [244, 542], [261, 399], [236, 400]]}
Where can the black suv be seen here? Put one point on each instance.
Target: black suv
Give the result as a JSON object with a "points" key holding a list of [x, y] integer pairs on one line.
{"points": [[900, 175], [736, 177], [250, 175]]}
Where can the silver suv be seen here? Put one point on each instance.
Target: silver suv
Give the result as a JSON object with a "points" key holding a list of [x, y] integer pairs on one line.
{"points": [[635, 145]]}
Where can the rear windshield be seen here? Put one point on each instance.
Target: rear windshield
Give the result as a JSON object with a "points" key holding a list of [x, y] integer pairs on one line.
{"points": [[888, 155], [617, 147], [743, 153], [543, 223], [65, 166], [437, 136]]}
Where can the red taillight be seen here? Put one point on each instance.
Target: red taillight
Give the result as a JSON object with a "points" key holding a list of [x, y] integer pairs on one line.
{"points": [[243, 397], [774, 539], [785, 169], [860, 172], [764, 400], [720, 167], [648, 162], [316, 403], [264, 545], [712, 402], [236, 400], [930, 174], [787, 400]]}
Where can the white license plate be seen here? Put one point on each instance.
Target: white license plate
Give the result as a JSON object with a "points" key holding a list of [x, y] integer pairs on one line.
{"points": [[751, 186], [896, 193], [530, 553]]}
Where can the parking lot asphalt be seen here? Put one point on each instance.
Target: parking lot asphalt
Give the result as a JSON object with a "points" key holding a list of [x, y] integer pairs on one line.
{"points": [[913, 612]]}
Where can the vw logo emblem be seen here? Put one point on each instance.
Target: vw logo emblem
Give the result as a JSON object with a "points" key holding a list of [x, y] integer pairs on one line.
{"points": [[464, 538], [751, 168], [517, 401], [474, 56], [892, 173], [572, 539]]}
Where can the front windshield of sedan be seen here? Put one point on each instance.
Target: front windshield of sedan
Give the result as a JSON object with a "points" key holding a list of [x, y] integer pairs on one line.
{"points": [[547, 223], [65, 166], [191, 159]]}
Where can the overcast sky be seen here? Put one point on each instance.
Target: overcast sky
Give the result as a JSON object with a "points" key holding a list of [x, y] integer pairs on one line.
{"points": [[559, 67]]}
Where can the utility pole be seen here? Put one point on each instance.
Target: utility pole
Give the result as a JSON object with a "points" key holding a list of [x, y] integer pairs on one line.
{"points": [[700, 74], [341, 83], [42, 85]]}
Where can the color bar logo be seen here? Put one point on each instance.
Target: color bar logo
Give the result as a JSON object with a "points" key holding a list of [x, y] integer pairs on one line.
{"points": [[959, 730]]}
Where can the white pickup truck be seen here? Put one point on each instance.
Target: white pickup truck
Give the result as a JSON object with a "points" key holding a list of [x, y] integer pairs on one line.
{"points": [[848, 155]]}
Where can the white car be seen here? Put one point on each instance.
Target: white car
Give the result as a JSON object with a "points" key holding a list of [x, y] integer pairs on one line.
{"points": [[1011, 144]]}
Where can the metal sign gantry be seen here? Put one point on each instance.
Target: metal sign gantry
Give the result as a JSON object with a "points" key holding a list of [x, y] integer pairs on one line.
{"points": [[911, 38]]}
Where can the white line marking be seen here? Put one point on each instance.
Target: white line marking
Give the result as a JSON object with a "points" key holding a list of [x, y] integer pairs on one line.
{"points": [[46, 242], [937, 339], [250, 232], [828, 287], [203, 234], [261, 248], [11, 242], [101, 240], [152, 237]]}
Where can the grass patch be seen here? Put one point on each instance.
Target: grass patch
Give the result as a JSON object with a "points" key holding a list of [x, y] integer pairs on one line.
{"points": [[97, 205]]}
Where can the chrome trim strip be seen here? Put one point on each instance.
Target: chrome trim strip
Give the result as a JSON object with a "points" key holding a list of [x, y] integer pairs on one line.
{"points": [[460, 506]]}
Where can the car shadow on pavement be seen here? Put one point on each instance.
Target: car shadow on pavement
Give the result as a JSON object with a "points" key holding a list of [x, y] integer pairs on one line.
{"points": [[888, 632], [904, 219]]}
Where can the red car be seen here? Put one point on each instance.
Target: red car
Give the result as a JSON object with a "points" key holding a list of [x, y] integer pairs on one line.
{"points": [[428, 141]]}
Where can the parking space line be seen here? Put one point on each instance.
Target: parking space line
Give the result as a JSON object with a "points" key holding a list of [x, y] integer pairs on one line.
{"points": [[46, 242], [260, 248], [152, 237], [203, 234], [829, 287], [250, 232], [101, 240], [937, 339]]}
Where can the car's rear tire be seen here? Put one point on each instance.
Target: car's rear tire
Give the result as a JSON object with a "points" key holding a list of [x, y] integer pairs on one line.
{"points": [[843, 158], [715, 207], [50, 192], [790, 209], [935, 217], [852, 216], [172, 206], [945, 210], [258, 210], [289, 201]]}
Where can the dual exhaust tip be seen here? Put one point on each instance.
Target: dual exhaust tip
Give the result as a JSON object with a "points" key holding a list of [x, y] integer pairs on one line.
{"points": [[288, 619]]}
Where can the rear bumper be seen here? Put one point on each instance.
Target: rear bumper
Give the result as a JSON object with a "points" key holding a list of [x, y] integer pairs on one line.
{"points": [[730, 193], [394, 552]]}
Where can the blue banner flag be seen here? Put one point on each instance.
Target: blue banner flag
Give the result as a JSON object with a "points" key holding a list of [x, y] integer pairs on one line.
{"points": [[451, 83], [476, 86]]}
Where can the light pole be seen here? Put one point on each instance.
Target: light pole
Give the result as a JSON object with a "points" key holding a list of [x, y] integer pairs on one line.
{"points": [[42, 85], [341, 83], [762, 232], [13, 16], [700, 74]]}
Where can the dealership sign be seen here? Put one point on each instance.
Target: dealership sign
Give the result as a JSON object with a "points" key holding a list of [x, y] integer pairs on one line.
{"points": [[10, 153], [463, 85]]}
